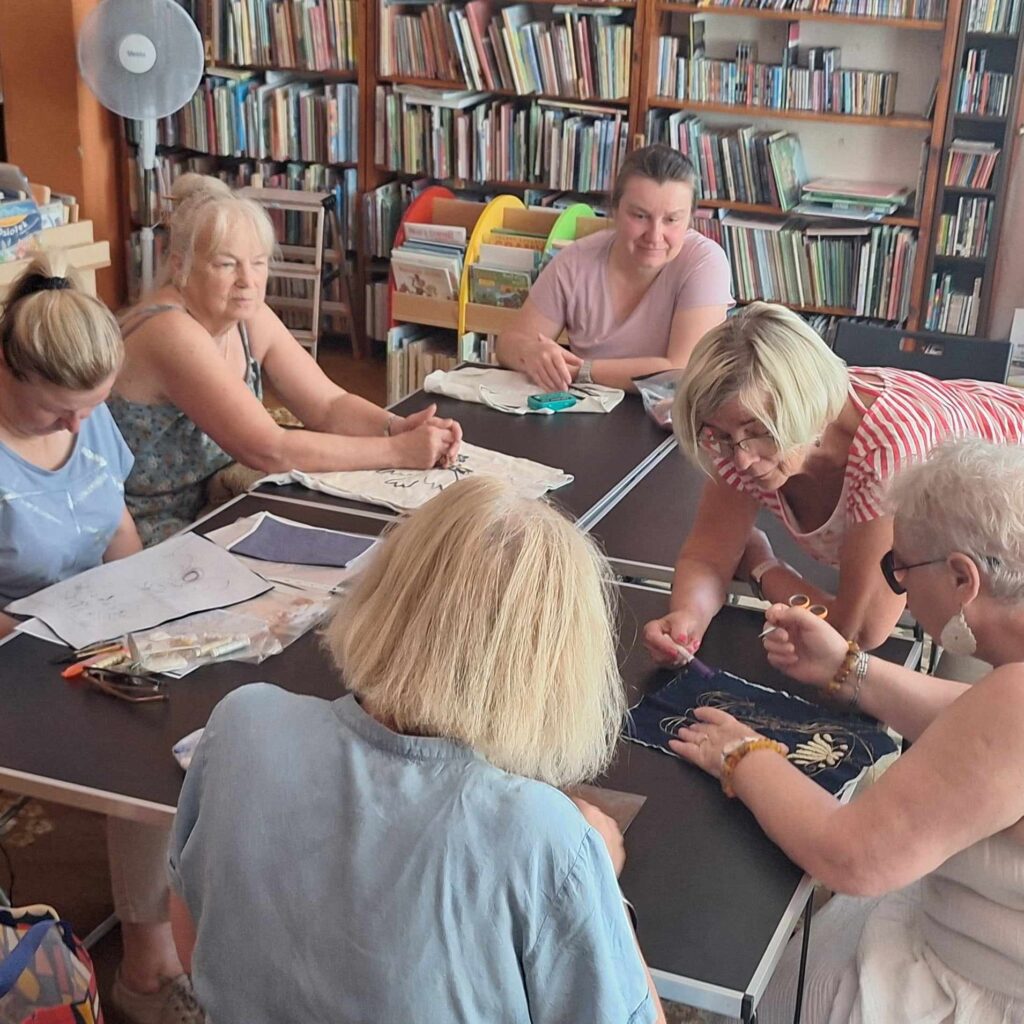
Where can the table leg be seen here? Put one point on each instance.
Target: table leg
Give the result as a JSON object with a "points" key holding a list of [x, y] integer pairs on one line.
{"points": [[804, 945]]}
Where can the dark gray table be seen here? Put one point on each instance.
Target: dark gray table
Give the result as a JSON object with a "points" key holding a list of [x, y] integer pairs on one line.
{"points": [[605, 453], [716, 899], [643, 531]]}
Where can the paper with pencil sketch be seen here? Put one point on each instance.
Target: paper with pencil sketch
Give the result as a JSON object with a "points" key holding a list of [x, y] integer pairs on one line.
{"points": [[406, 489], [509, 391], [181, 576]]}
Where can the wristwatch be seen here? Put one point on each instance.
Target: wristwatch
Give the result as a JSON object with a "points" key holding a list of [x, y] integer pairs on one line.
{"points": [[585, 374], [757, 574]]}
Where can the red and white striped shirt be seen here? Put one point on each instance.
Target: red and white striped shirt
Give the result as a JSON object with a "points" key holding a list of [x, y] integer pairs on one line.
{"points": [[911, 414]]}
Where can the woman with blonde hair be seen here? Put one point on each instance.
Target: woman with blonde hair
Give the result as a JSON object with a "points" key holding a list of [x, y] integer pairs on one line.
{"points": [[779, 422], [935, 848], [198, 350], [62, 511], [418, 815]]}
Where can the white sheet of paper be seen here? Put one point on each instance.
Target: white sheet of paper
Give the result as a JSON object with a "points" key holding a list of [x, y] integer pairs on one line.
{"points": [[509, 391], [406, 489], [40, 630], [182, 575]]}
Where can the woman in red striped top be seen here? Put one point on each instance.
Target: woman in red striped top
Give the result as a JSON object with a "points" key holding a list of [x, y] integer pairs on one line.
{"points": [[780, 422]]}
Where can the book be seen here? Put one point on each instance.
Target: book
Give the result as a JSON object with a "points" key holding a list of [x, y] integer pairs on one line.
{"points": [[451, 234], [20, 222], [506, 257], [504, 288]]}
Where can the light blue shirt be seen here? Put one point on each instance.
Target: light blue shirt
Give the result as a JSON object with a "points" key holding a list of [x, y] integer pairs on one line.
{"points": [[55, 523], [340, 872]]}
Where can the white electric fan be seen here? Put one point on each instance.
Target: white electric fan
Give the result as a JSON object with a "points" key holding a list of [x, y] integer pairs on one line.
{"points": [[142, 59]]}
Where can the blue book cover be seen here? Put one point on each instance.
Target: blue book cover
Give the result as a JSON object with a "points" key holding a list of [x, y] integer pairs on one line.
{"points": [[20, 222]]}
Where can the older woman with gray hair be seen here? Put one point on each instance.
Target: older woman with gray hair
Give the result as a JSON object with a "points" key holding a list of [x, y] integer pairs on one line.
{"points": [[937, 843], [780, 423], [197, 353]]}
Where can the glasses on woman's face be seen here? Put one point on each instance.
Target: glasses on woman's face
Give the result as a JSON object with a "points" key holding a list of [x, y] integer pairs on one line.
{"points": [[760, 446], [890, 568]]}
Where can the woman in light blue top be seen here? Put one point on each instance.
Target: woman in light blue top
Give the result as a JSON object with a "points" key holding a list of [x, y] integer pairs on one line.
{"points": [[403, 853], [63, 464]]}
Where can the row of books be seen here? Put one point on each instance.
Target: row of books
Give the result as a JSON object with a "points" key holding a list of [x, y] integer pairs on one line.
{"points": [[950, 310], [743, 164], [268, 117], [316, 35], [147, 193], [965, 232], [864, 270], [544, 142], [742, 82], [382, 214], [970, 164], [929, 10], [582, 54], [376, 295], [414, 351], [998, 16], [979, 91]]}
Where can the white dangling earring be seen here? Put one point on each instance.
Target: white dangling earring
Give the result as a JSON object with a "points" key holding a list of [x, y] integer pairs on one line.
{"points": [[957, 637]]}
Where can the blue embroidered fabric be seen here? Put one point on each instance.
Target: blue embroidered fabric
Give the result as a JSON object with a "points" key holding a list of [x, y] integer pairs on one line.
{"points": [[830, 747]]}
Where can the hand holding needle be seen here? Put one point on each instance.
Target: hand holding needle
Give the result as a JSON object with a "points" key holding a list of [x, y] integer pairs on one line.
{"points": [[798, 601]]}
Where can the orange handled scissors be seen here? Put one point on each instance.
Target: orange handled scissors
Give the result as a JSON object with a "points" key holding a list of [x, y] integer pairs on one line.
{"points": [[799, 601]]}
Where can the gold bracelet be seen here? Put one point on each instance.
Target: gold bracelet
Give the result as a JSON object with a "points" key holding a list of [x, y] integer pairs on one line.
{"points": [[850, 659], [735, 752]]}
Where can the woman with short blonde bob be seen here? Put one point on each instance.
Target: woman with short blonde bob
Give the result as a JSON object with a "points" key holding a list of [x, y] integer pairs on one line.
{"points": [[779, 422], [198, 351], [418, 814]]}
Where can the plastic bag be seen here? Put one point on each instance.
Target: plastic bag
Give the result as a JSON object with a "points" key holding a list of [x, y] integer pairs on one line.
{"points": [[658, 391]]}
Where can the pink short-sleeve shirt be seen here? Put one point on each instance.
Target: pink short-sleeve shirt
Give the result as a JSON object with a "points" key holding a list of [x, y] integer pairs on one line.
{"points": [[573, 290]]}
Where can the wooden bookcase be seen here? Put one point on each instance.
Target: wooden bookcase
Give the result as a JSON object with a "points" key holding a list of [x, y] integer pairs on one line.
{"points": [[1006, 54], [932, 128]]}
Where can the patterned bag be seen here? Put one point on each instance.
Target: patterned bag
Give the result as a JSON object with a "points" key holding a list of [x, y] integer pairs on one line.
{"points": [[46, 976]]}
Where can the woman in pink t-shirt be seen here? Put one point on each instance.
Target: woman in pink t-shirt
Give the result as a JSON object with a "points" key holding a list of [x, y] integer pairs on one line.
{"points": [[635, 299], [780, 422]]}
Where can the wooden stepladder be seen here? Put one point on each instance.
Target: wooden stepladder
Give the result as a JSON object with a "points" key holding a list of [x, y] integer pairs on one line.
{"points": [[317, 264]]}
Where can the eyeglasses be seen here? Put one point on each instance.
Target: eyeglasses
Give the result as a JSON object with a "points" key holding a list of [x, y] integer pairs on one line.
{"points": [[890, 568], [761, 446]]}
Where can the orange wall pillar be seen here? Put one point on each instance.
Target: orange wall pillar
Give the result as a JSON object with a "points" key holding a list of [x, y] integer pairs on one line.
{"points": [[55, 129]]}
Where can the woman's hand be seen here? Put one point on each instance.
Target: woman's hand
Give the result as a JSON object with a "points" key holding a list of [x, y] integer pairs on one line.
{"points": [[805, 647], [607, 828], [423, 447], [702, 743], [427, 418], [550, 365], [665, 636]]}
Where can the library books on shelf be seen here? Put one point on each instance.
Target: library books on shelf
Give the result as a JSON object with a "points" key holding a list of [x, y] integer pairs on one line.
{"points": [[965, 232], [982, 92], [919, 10], [970, 164], [580, 53]]}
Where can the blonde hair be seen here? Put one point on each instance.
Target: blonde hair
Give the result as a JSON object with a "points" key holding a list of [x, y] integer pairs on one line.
{"points": [[205, 209], [52, 330], [967, 496], [487, 618], [772, 363]]}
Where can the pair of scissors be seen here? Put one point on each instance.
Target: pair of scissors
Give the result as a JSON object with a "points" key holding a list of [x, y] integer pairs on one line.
{"points": [[799, 601]]}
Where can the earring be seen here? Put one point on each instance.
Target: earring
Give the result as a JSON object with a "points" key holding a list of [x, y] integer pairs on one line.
{"points": [[957, 636]]}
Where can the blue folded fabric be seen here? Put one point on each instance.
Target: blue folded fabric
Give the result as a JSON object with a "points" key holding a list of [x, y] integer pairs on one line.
{"points": [[830, 747], [275, 540]]}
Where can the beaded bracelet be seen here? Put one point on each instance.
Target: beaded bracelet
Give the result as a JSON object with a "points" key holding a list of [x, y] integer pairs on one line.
{"points": [[738, 751], [850, 659]]}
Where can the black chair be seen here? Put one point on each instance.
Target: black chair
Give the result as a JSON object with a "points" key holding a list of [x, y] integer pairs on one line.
{"points": [[945, 356]]}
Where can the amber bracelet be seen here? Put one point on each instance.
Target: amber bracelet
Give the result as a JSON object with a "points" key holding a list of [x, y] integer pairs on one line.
{"points": [[733, 758], [849, 661]]}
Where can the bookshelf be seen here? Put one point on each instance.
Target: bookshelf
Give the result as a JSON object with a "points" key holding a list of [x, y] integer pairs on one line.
{"points": [[529, 131], [975, 167]]}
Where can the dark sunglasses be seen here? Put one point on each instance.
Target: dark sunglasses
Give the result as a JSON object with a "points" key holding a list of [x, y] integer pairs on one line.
{"points": [[890, 568]]}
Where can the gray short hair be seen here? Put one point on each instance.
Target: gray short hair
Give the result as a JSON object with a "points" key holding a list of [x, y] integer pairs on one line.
{"points": [[968, 496]]}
